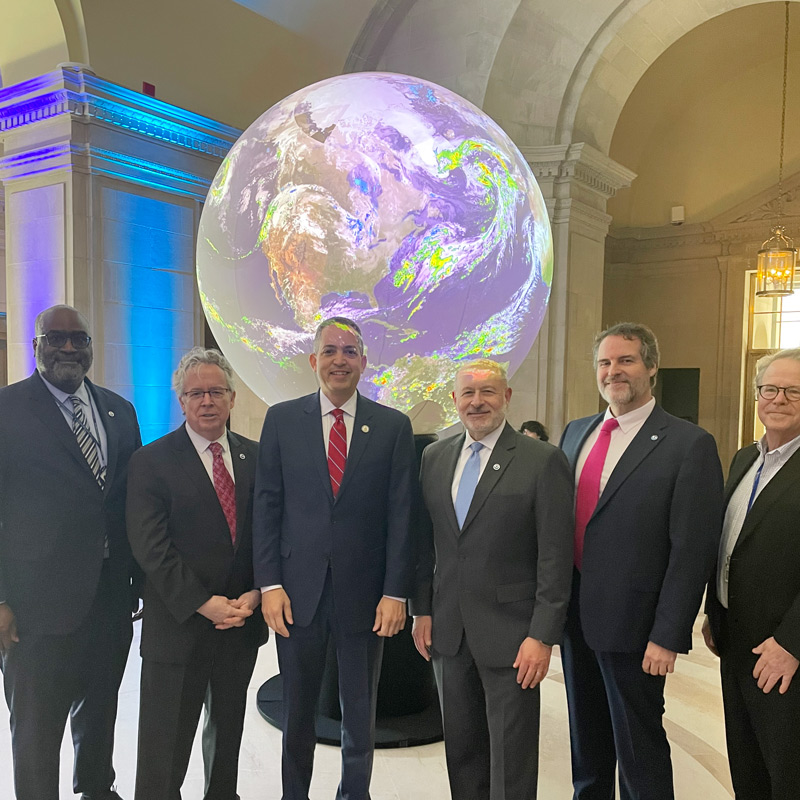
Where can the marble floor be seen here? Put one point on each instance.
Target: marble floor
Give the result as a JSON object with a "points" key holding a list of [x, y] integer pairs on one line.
{"points": [[693, 723]]}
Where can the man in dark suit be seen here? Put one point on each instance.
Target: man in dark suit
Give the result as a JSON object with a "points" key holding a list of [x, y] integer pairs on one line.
{"points": [[494, 584], [190, 513], [333, 550], [753, 602], [642, 554], [65, 564]]}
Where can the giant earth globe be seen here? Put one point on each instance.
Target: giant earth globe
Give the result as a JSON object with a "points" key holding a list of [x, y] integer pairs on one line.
{"points": [[389, 200]]}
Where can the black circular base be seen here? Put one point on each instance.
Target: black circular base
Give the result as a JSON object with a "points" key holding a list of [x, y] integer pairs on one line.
{"points": [[408, 730]]}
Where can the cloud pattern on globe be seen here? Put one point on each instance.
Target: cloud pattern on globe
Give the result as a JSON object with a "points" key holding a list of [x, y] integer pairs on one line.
{"points": [[389, 200]]}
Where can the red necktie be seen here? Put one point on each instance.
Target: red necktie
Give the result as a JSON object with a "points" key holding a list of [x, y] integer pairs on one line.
{"points": [[589, 485], [226, 491], [337, 450]]}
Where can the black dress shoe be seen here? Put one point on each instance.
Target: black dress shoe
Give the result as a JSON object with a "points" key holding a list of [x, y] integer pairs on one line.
{"points": [[107, 795]]}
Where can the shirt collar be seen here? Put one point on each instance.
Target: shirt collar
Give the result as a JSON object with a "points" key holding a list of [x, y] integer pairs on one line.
{"points": [[488, 441], [632, 418], [201, 444], [349, 407], [82, 393], [784, 451]]}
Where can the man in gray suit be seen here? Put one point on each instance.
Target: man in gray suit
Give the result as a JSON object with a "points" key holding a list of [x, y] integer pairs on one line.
{"points": [[493, 588]]}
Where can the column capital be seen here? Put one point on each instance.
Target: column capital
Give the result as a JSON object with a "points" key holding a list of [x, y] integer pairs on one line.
{"points": [[579, 162], [147, 141]]}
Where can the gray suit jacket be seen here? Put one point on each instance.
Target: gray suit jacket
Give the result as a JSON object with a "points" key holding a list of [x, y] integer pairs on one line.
{"points": [[507, 574]]}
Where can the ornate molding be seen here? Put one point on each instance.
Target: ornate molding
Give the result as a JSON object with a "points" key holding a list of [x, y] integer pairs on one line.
{"points": [[87, 98], [581, 162]]}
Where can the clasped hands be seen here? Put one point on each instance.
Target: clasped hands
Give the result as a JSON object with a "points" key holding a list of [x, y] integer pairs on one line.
{"points": [[226, 613], [390, 615]]}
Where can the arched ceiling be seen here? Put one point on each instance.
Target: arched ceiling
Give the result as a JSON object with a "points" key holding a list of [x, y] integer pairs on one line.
{"points": [[701, 128]]}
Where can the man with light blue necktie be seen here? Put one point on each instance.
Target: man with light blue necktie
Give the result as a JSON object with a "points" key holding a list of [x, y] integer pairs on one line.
{"points": [[493, 588]]}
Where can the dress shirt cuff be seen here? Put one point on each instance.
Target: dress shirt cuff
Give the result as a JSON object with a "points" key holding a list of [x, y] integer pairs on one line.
{"points": [[270, 588], [399, 599]]}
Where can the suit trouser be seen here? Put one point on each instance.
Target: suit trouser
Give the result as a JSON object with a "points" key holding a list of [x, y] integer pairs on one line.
{"points": [[762, 731], [301, 657], [172, 697], [77, 675], [491, 729], [615, 712]]}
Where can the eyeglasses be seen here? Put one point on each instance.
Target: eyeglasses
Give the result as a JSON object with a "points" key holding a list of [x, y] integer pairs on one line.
{"points": [[194, 395], [770, 392], [79, 339]]}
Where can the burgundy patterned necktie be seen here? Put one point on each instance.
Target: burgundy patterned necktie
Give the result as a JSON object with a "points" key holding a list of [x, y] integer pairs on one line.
{"points": [[337, 450], [589, 485], [226, 491]]}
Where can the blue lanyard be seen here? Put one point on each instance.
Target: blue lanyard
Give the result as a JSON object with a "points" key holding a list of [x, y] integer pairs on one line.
{"points": [[755, 487]]}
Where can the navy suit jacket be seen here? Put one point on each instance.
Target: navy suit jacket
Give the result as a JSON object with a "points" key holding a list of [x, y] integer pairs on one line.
{"points": [[764, 581], [653, 537], [363, 535], [54, 518], [182, 541]]}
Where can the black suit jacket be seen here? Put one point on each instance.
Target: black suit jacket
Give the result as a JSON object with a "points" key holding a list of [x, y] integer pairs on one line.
{"points": [[180, 537], [764, 580], [507, 573], [363, 535], [652, 538], [54, 517]]}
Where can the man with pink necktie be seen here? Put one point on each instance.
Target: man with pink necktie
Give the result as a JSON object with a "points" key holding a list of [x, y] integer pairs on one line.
{"points": [[648, 515], [189, 515]]}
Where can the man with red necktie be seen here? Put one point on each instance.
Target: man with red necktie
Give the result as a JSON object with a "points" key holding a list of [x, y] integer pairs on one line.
{"points": [[333, 550], [648, 514], [190, 507]]}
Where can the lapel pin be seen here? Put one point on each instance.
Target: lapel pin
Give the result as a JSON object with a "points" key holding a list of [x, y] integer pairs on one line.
{"points": [[242, 456], [653, 437], [495, 466], [365, 428], [110, 413]]}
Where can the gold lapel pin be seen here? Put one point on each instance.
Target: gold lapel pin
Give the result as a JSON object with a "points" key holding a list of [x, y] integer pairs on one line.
{"points": [[365, 428], [110, 413]]}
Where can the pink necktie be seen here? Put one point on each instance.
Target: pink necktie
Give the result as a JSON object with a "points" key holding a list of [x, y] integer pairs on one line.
{"points": [[589, 485], [337, 450], [226, 491]]}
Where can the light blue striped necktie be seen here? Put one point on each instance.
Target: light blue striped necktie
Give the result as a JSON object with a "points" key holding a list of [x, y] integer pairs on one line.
{"points": [[468, 482]]}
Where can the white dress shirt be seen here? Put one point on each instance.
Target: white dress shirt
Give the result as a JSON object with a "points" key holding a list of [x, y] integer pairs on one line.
{"points": [[349, 408], [488, 442], [629, 425], [737, 509], [202, 445], [90, 410]]}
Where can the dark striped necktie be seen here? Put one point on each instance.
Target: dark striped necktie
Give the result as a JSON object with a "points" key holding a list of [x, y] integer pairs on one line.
{"points": [[86, 441]]}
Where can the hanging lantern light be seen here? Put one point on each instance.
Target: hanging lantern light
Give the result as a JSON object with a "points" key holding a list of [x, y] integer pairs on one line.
{"points": [[777, 257]]}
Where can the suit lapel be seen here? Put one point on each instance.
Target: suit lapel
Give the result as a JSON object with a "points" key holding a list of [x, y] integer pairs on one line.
{"points": [[501, 456], [242, 473], [786, 479], [45, 406], [108, 420], [312, 427], [650, 436], [572, 453], [450, 458], [362, 434], [739, 469]]}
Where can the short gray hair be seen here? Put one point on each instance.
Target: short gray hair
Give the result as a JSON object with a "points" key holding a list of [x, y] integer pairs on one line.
{"points": [[764, 362], [484, 365], [648, 344], [339, 322], [195, 358], [39, 321]]}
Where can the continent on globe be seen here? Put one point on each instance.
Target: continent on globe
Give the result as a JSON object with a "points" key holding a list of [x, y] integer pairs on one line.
{"points": [[389, 200]]}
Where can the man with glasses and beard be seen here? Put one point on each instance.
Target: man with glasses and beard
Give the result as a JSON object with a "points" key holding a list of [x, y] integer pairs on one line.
{"points": [[65, 565]]}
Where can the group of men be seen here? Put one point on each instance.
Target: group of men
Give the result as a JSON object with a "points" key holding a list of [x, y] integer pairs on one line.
{"points": [[320, 532]]}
